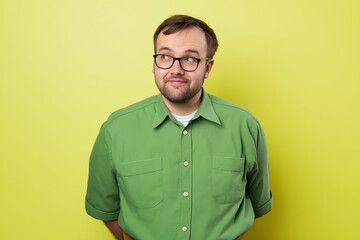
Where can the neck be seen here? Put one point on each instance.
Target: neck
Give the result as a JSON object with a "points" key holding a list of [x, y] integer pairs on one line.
{"points": [[183, 109]]}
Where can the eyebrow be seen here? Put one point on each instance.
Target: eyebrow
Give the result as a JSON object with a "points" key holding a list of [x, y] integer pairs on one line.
{"points": [[187, 51], [165, 48], [192, 51]]}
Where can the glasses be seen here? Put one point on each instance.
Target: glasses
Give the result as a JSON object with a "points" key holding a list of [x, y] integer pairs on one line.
{"points": [[188, 64]]}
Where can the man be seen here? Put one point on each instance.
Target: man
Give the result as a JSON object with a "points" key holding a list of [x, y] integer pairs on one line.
{"points": [[182, 164]]}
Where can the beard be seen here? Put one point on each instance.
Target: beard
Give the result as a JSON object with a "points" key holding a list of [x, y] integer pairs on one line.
{"points": [[181, 94]]}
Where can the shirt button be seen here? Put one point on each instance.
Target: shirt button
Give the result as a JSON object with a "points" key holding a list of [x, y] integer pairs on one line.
{"points": [[185, 132], [186, 194], [184, 229], [186, 163]]}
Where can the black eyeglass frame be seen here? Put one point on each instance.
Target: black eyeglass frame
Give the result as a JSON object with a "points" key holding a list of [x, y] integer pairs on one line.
{"points": [[174, 58]]}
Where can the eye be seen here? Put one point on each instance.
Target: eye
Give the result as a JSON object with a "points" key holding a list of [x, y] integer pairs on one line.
{"points": [[190, 59], [165, 57]]}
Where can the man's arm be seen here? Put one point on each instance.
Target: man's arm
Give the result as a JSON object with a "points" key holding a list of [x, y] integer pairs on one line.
{"points": [[115, 229], [258, 187]]}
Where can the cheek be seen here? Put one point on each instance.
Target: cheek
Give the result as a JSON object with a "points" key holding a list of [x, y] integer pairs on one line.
{"points": [[159, 76], [198, 79]]}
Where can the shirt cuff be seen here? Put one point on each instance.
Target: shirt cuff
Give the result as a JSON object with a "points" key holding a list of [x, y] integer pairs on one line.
{"points": [[101, 215], [264, 209]]}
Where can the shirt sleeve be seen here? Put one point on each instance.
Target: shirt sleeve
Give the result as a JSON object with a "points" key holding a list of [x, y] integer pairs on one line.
{"points": [[102, 198], [258, 186]]}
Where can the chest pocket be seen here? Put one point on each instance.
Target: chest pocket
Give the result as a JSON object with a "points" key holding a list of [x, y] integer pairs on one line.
{"points": [[228, 184], [141, 182]]}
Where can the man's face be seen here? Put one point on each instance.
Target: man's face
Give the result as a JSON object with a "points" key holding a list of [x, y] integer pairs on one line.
{"points": [[175, 84]]}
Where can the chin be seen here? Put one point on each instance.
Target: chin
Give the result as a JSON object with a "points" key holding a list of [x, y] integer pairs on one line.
{"points": [[176, 99]]}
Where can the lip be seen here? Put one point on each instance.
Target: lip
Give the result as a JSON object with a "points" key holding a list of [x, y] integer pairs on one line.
{"points": [[177, 81]]}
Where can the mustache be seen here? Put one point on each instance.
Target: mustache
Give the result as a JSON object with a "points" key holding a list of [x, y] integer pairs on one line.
{"points": [[177, 77]]}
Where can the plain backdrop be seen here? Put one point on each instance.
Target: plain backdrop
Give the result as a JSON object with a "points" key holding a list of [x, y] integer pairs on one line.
{"points": [[66, 65]]}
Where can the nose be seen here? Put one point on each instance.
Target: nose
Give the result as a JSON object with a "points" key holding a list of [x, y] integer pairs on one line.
{"points": [[176, 68]]}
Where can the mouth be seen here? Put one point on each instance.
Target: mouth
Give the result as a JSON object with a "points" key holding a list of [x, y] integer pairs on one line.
{"points": [[177, 81]]}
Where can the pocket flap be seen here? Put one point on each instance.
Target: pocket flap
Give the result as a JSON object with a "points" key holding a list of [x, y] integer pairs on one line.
{"points": [[229, 163], [139, 167]]}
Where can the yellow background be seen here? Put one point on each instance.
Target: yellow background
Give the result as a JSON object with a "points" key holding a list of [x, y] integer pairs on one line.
{"points": [[66, 65]]}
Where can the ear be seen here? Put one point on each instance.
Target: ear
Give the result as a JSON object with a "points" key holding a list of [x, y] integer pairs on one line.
{"points": [[153, 69], [209, 66]]}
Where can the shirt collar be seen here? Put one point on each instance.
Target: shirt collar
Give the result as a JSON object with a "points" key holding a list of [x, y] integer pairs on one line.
{"points": [[161, 112], [206, 110]]}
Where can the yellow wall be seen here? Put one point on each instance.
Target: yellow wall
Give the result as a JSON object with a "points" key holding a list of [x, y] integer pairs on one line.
{"points": [[66, 65]]}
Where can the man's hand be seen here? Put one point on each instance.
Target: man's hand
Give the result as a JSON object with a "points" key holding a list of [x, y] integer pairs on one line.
{"points": [[115, 229]]}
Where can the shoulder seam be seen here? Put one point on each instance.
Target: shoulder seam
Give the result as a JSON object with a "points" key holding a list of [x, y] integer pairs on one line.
{"points": [[238, 108], [126, 112]]}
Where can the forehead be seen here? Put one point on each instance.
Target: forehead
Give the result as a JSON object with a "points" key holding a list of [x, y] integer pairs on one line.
{"points": [[187, 40]]}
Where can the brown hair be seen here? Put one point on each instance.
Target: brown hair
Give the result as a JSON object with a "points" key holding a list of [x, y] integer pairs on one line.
{"points": [[177, 23]]}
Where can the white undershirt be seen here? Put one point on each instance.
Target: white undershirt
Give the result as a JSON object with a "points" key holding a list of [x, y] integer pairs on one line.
{"points": [[184, 119]]}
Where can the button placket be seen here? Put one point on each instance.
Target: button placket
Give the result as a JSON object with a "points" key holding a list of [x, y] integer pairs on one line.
{"points": [[186, 182]]}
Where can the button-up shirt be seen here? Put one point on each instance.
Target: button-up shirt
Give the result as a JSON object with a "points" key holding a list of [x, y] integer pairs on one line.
{"points": [[161, 180]]}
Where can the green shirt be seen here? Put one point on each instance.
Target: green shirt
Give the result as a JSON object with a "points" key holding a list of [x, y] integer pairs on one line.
{"points": [[161, 180]]}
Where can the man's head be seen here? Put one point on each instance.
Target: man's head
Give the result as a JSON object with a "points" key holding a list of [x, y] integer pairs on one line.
{"points": [[188, 38], [181, 22]]}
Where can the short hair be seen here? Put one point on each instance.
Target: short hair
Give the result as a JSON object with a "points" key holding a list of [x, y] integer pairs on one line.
{"points": [[177, 23]]}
